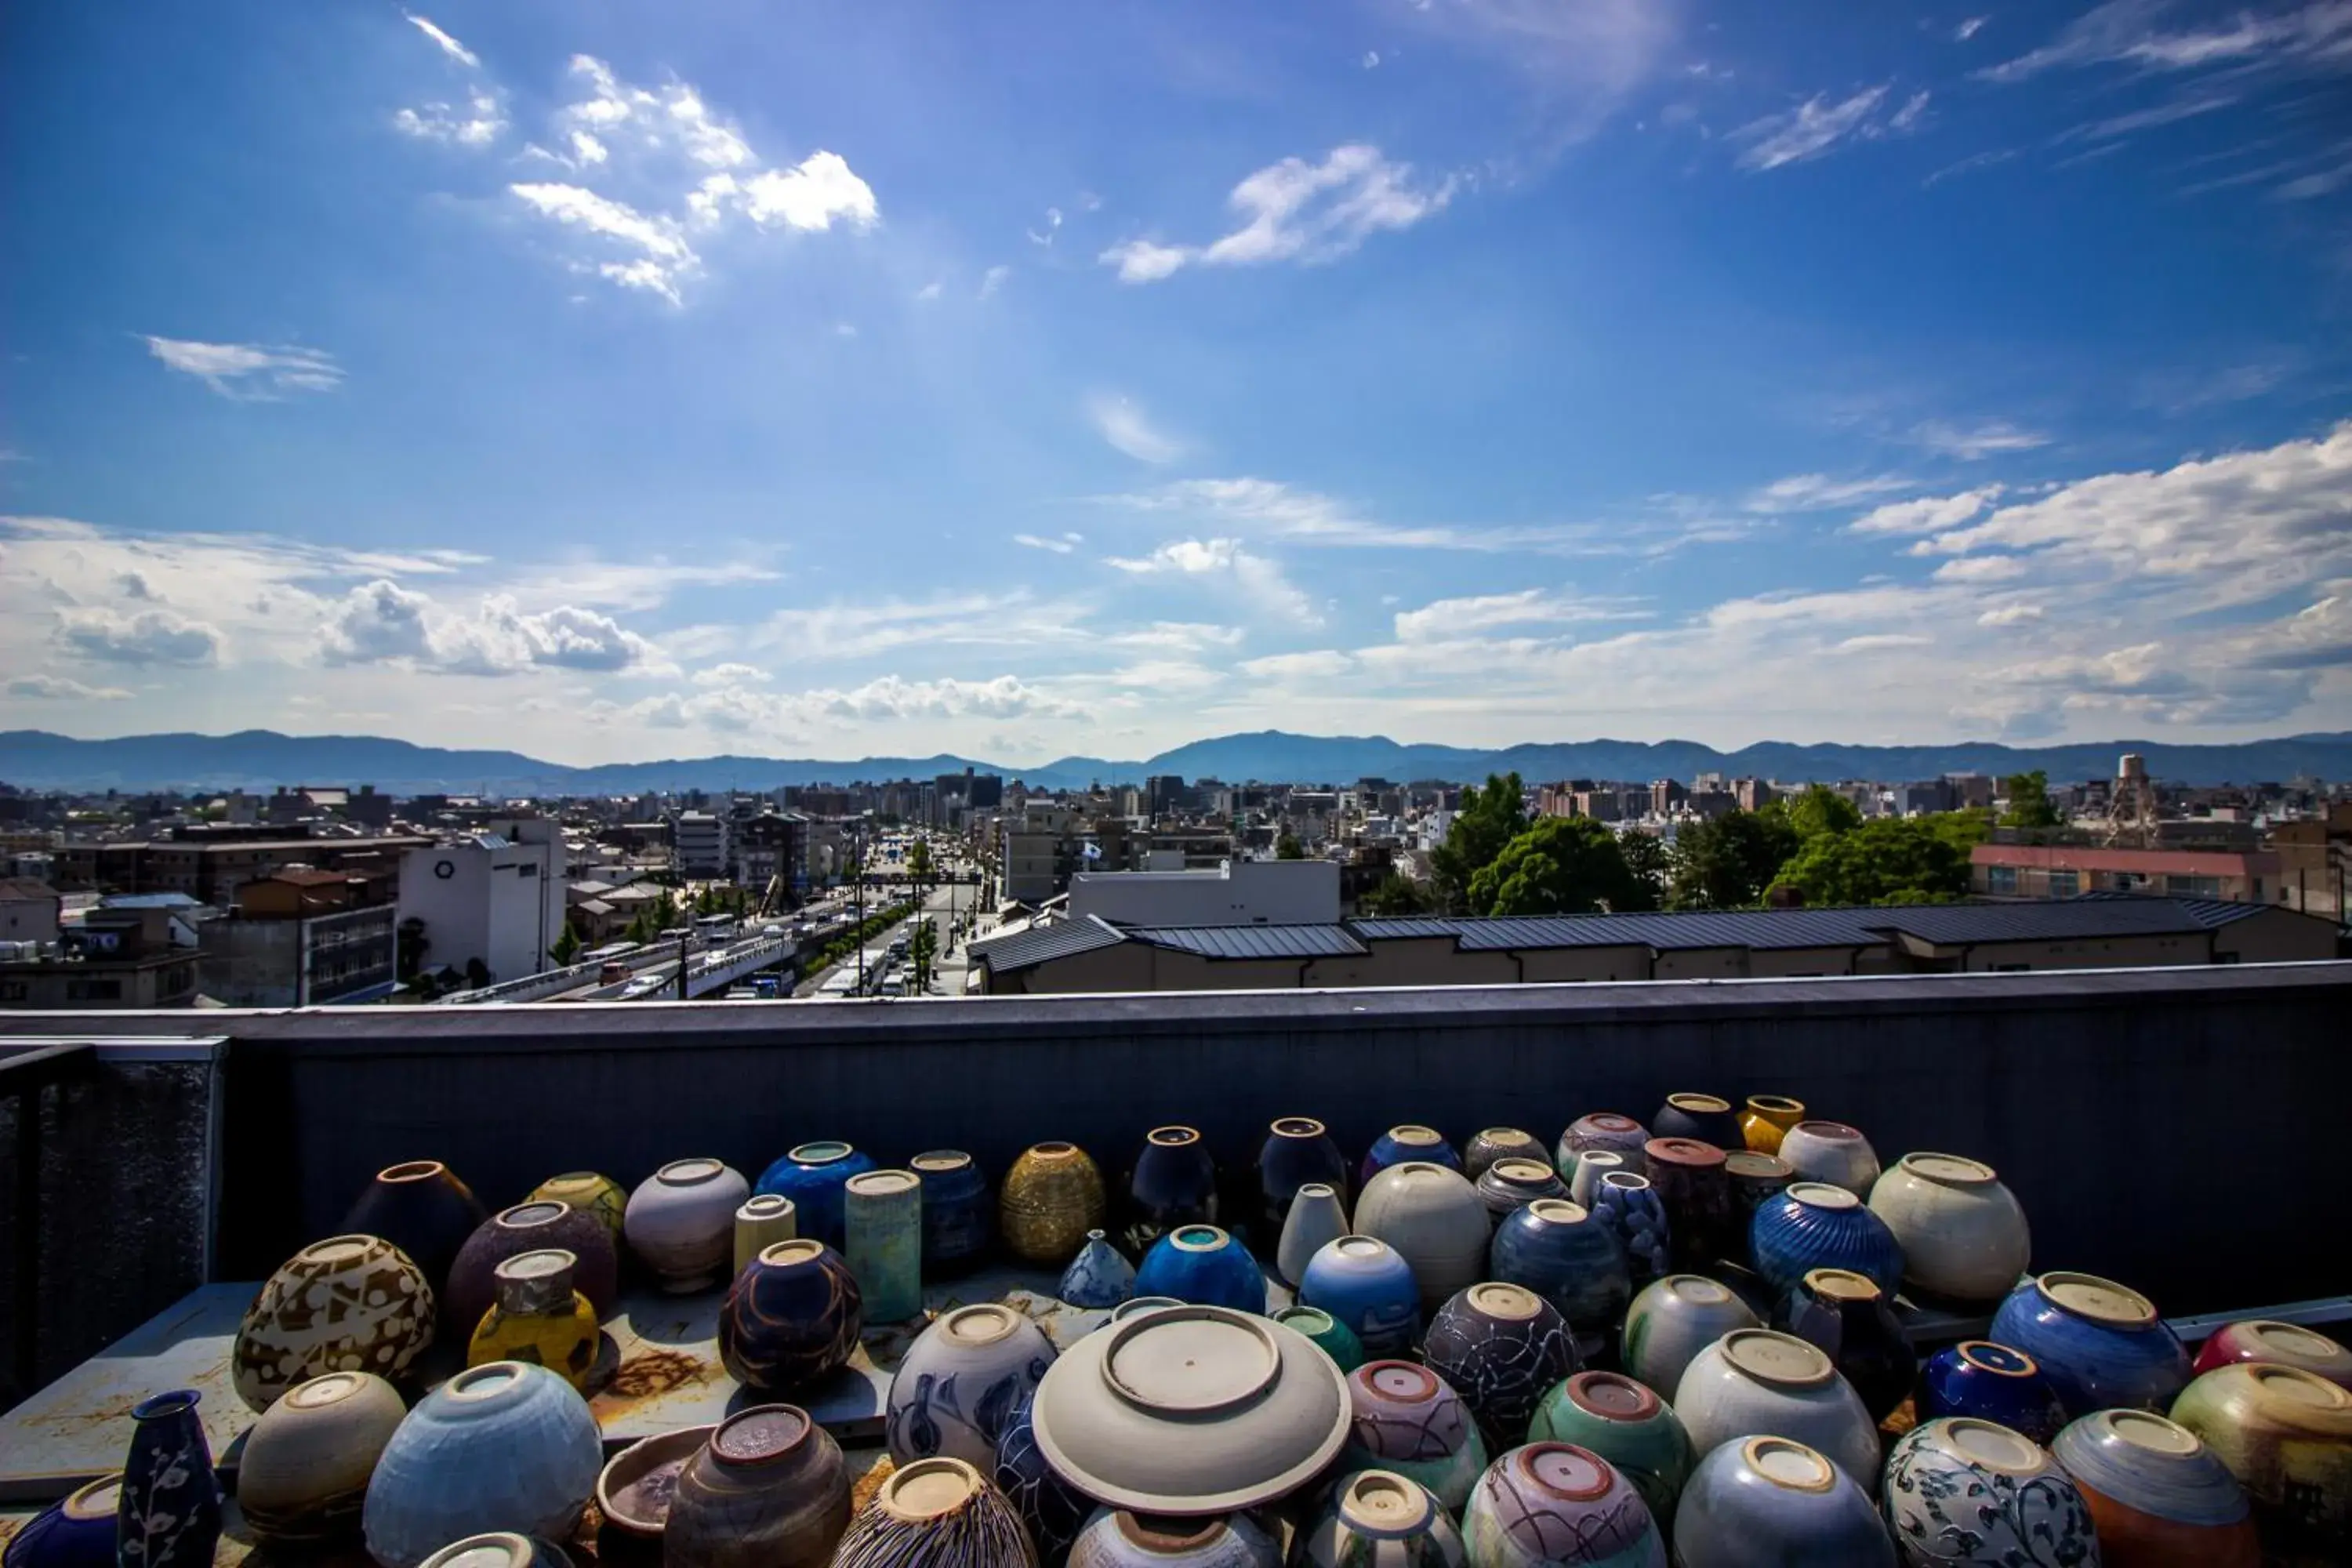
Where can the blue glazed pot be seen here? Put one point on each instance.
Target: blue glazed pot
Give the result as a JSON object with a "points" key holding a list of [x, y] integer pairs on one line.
{"points": [[76, 1532], [2100, 1345], [1174, 1184], [168, 1514], [1845, 1315], [1410, 1142], [1053, 1511], [958, 1218], [1813, 1225], [1992, 1383], [812, 1177], [503, 1446], [1368, 1286], [1707, 1118], [1772, 1502], [1298, 1150], [1567, 1254], [1202, 1265], [1636, 1216], [791, 1318], [1098, 1276]]}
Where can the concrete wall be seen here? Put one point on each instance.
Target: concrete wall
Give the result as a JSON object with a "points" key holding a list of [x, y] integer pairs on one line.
{"points": [[1242, 892], [2278, 935]]}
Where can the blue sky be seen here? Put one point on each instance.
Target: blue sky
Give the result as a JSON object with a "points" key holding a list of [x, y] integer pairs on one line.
{"points": [[624, 381]]}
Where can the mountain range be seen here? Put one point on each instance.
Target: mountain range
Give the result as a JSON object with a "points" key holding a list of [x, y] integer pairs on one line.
{"points": [[262, 759]]}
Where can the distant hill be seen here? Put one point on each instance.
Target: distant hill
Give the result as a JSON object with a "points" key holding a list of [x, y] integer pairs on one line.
{"points": [[261, 759]]}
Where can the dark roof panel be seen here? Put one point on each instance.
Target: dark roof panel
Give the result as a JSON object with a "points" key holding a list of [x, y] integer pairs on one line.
{"points": [[2073, 920], [1040, 944], [1252, 941]]}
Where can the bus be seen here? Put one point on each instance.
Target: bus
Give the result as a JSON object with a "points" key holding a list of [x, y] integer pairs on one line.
{"points": [[716, 931]]}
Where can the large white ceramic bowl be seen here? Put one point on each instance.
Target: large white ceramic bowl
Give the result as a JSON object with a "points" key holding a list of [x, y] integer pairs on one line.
{"points": [[1433, 1218], [1758, 1382], [1964, 1235]]}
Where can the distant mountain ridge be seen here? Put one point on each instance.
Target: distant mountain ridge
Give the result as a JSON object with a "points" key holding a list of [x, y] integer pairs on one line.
{"points": [[262, 759]]}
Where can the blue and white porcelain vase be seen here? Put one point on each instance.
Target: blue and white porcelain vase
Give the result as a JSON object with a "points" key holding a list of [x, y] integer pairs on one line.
{"points": [[1814, 1224], [959, 1383], [1364, 1283], [1054, 1510], [1098, 1277], [1202, 1265], [168, 1514], [1966, 1491], [1636, 1216]]}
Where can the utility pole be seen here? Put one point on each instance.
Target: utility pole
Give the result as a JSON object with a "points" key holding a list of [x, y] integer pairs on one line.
{"points": [[683, 937], [858, 865]]}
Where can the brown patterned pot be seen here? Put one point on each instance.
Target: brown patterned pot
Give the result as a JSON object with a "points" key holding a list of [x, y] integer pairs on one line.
{"points": [[350, 1303]]}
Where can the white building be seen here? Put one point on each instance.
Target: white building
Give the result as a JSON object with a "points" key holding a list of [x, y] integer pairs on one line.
{"points": [[698, 841], [1238, 893], [496, 896]]}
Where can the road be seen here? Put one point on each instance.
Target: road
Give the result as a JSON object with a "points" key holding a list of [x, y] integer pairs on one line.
{"points": [[949, 978]]}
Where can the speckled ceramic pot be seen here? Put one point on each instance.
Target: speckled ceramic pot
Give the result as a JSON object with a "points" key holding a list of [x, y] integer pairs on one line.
{"points": [[350, 1303], [2158, 1496], [1098, 1277], [1432, 1215], [814, 1177], [600, 1198], [542, 1226], [1674, 1319], [1298, 1150], [421, 1207], [1316, 1218], [1052, 1197], [1814, 1224], [1053, 1511], [768, 1490], [1967, 1491], [303, 1473], [792, 1319], [1410, 1141], [1626, 1423], [1992, 1383], [1561, 1252], [1963, 1236], [1175, 1182], [502, 1446], [960, 1382], [1364, 1283], [1707, 1118], [1379, 1519], [1407, 1419], [1832, 1151], [937, 1514], [1690, 1179], [1123, 1540], [1847, 1317], [959, 1221], [2282, 1345], [1509, 1185], [681, 1221], [1495, 1144], [1771, 1502], [1551, 1505], [1757, 1382], [1631, 1208], [1202, 1264], [1607, 1130], [1766, 1121], [1328, 1333], [2286, 1435], [1501, 1347], [2100, 1345]]}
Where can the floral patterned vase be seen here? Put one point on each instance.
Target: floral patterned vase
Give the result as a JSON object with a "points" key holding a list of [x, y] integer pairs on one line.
{"points": [[169, 1514], [1960, 1490]]}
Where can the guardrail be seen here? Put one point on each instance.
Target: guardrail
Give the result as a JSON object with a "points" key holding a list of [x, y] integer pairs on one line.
{"points": [[23, 1077]]}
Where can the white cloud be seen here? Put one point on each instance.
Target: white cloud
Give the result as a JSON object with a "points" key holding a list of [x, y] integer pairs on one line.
{"points": [[449, 45], [249, 372], [1929, 515], [1983, 569], [1871, 641], [1122, 422], [1371, 60], [2132, 33], [381, 621], [1273, 508], [2009, 616], [1820, 492], [146, 637], [812, 196], [1061, 545], [1297, 211], [1970, 442], [1969, 28], [666, 256], [1445, 620], [729, 675], [1256, 578], [929, 291], [992, 280], [1320, 664], [480, 124], [1820, 123], [1052, 227], [60, 689]]}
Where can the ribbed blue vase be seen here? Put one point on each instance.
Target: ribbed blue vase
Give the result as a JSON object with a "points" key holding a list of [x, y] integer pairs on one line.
{"points": [[1813, 1225]]}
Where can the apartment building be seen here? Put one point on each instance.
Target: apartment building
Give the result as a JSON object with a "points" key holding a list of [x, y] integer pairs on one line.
{"points": [[497, 897], [2065, 870]]}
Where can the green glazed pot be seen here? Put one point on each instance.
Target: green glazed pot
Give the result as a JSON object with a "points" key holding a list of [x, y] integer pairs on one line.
{"points": [[1332, 1337], [1626, 1424]]}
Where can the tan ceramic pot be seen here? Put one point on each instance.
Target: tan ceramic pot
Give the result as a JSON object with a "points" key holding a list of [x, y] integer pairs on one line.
{"points": [[1964, 1235], [1432, 1218], [1051, 1198], [303, 1474]]}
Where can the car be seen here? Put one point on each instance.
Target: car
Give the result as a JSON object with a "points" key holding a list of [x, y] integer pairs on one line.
{"points": [[894, 987]]}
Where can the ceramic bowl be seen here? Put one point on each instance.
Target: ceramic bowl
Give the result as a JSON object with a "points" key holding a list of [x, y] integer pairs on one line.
{"points": [[1813, 1224], [1692, 1181], [1191, 1410], [959, 1221], [637, 1485], [350, 1303], [1766, 1121], [1054, 1510], [1962, 1234], [1298, 1150], [302, 1475], [792, 1319], [1671, 1320], [1433, 1217], [2158, 1496], [1549, 1505], [1495, 1143], [681, 1221], [1559, 1250], [1316, 1218], [961, 1381], [78, 1530], [1591, 1166], [1757, 1382], [1378, 1519], [1329, 1334], [421, 1207], [814, 1177], [1626, 1423], [1175, 1182], [2286, 1435], [1773, 1502], [1410, 1141], [600, 1198], [1635, 1216], [1707, 1118], [1052, 1197], [2283, 1344], [1607, 1130], [936, 1513], [1832, 1151], [542, 1226], [1124, 1540], [500, 1549], [1845, 1315], [1992, 1383], [1963, 1490], [502, 1446], [1202, 1264], [768, 1490], [1502, 1347], [1508, 1186], [2100, 1345], [1099, 1278], [1407, 1419]]}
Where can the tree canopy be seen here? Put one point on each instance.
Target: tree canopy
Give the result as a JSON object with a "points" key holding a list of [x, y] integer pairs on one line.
{"points": [[1287, 846], [1396, 895], [1561, 866], [1491, 817], [1728, 863], [2029, 801], [1890, 860], [1814, 810]]}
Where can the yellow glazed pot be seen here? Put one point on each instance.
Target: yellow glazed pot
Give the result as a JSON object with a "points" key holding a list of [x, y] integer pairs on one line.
{"points": [[1052, 1197], [1766, 1121], [538, 1317], [599, 1197]]}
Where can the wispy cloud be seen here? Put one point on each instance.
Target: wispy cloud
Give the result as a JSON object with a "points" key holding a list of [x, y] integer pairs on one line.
{"points": [[1969, 442], [1969, 28], [1120, 422], [1060, 545], [1256, 578], [993, 280], [1444, 620], [480, 124], [249, 372], [2180, 109], [449, 45], [1297, 211], [1820, 492], [63, 688], [2134, 32], [1820, 123]]}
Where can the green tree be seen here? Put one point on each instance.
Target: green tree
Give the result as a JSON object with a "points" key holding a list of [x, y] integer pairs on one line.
{"points": [[1561, 866], [1727, 864], [921, 949], [1397, 895], [639, 931], [2029, 801], [918, 862], [1890, 860], [1646, 857], [1490, 818], [1287, 846], [566, 948], [1814, 810]]}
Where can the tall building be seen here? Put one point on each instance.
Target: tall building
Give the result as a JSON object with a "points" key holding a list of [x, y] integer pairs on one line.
{"points": [[496, 896], [303, 938], [698, 843], [1163, 795]]}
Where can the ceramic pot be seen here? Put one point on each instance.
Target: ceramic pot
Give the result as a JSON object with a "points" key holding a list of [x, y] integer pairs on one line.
{"points": [[760, 1223], [530, 1228], [791, 1318], [502, 1446], [1433, 1217], [2283, 1344], [1620, 1135], [1508, 1186], [883, 1214], [538, 1317], [1814, 1224], [498, 1549], [1052, 1197], [1671, 1320], [600, 1198], [1175, 1182], [1755, 1381], [639, 1485], [1964, 1238], [1408, 1419], [1123, 1540], [1690, 1179], [1755, 1179], [1410, 1141], [813, 1175], [76, 1532], [936, 1513], [1202, 1265], [303, 1473], [1831, 1152], [2286, 1435], [2100, 1345], [768, 1490], [959, 1222], [1329, 1334], [1590, 1168], [1495, 1143], [1627, 1425], [1964, 1491], [1366, 1285], [1316, 1218], [1379, 1519], [681, 1221], [1992, 1383], [1552, 1504], [1298, 1150], [422, 1208], [1771, 1502], [1846, 1315], [1705, 1118], [167, 1513], [1052, 1510], [350, 1303], [1766, 1121], [1501, 1347], [1098, 1277], [1564, 1254], [2159, 1497], [960, 1382], [1629, 1208]]}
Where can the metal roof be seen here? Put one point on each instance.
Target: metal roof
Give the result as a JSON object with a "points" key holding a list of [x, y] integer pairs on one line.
{"points": [[2071, 920], [1407, 926], [2206, 912], [1252, 941], [1764, 930], [1040, 944]]}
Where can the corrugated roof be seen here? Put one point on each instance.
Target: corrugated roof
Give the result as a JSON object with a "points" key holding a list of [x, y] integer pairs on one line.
{"points": [[2206, 912], [1405, 927], [1252, 941], [1040, 944], [2071, 919], [1765, 930]]}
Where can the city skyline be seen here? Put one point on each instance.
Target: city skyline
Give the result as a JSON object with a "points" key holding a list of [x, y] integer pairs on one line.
{"points": [[898, 381]]}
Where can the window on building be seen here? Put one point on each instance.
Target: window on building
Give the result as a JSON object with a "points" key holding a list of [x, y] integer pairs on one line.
{"points": [[2000, 879], [2066, 884], [2193, 887], [15, 991], [93, 990]]}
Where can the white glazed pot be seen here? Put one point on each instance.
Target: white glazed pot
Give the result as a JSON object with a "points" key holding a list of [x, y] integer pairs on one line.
{"points": [[1433, 1218], [1756, 1382], [1964, 1235]]}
